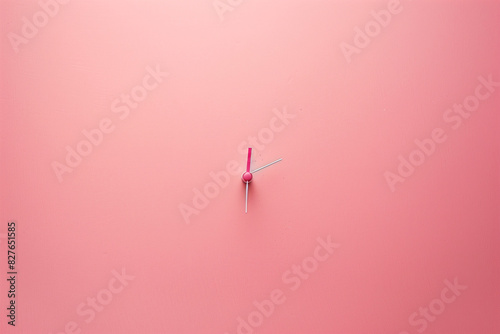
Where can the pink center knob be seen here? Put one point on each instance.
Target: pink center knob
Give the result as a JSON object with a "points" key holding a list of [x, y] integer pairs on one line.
{"points": [[247, 177]]}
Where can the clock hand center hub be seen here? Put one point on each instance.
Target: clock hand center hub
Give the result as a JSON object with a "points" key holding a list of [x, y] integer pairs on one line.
{"points": [[247, 177]]}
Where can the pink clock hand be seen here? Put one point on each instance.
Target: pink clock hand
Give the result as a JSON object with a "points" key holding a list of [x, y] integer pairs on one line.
{"points": [[249, 158]]}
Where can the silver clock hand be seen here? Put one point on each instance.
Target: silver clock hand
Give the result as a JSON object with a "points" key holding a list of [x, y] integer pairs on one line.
{"points": [[267, 165], [246, 199]]}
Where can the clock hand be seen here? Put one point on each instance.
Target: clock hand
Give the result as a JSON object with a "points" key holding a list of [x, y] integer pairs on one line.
{"points": [[247, 177], [249, 159], [255, 171], [246, 199]]}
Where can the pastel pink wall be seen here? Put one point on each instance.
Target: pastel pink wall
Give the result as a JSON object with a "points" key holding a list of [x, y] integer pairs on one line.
{"points": [[411, 252]]}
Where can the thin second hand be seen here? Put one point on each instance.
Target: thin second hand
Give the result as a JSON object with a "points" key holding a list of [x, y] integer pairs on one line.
{"points": [[267, 165], [246, 199]]}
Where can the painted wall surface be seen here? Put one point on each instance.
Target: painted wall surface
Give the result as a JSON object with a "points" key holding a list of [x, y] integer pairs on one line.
{"points": [[124, 127]]}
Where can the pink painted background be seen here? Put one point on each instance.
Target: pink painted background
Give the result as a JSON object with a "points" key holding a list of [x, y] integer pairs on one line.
{"points": [[120, 208]]}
